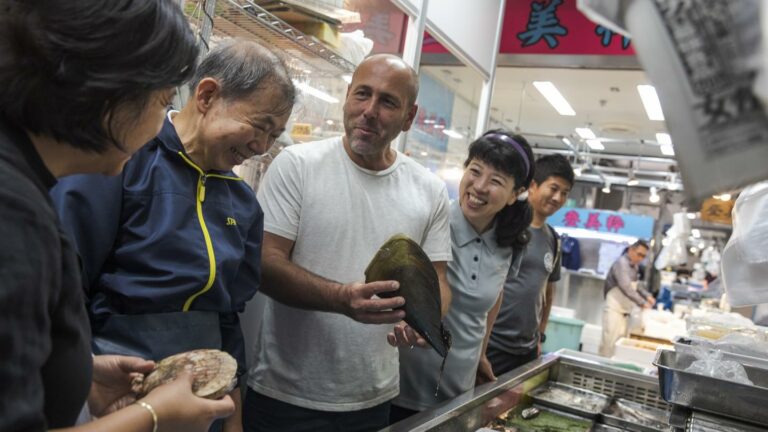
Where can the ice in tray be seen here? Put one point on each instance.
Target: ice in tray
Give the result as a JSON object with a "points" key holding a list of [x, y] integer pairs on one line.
{"points": [[570, 399]]}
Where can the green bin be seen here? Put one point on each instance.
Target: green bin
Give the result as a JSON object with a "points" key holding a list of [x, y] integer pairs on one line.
{"points": [[563, 332]]}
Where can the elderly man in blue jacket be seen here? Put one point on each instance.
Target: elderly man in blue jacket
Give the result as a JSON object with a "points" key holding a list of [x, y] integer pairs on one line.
{"points": [[171, 249]]}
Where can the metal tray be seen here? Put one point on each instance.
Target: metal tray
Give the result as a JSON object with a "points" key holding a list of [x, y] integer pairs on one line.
{"points": [[573, 400], [702, 422], [641, 418], [599, 427], [740, 401]]}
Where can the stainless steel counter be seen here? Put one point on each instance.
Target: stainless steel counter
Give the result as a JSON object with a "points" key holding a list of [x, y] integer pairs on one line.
{"points": [[478, 407]]}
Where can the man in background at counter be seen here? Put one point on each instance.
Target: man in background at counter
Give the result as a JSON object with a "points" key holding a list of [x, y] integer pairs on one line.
{"points": [[519, 330], [622, 293], [322, 362]]}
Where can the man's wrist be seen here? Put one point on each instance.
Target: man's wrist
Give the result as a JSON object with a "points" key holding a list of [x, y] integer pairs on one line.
{"points": [[542, 337]]}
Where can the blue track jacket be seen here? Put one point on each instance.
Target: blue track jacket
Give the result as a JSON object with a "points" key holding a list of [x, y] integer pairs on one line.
{"points": [[166, 237]]}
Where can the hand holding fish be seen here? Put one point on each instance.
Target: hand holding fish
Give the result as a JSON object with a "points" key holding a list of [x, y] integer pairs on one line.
{"points": [[362, 304], [403, 335]]}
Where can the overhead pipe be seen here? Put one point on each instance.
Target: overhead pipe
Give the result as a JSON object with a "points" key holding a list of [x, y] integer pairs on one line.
{"points": [[569, 144]]}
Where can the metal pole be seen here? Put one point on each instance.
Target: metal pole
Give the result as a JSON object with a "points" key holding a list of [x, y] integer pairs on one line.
{"points": [[484, 105], [414, 38], [209, 10], [206, 27]]}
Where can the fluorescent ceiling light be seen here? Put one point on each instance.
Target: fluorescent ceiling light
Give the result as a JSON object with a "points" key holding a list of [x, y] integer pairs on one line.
{"points": [[666, 144], [725, 197], [654, 198], [453, 134], [651, 102], [633, 181], [553, 96], [667, 150], [578, 171], [424, 153], [347, 78], [566, 141], [586, 133], [308, 89], [595, 144], [607, 188], [696, 233], [691, 216]]}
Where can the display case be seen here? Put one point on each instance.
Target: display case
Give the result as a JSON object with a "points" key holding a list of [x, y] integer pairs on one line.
{"points": [[479, 407], [319, 72]]}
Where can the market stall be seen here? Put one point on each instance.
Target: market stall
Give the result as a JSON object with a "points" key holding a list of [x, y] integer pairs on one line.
{"points": [[564, 386]]}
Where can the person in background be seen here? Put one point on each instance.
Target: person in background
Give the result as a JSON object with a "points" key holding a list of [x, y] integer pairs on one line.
{"points": [[322, 360], [172, 247], [82, 91], [520, 327], [488, 233], [622, 293]]}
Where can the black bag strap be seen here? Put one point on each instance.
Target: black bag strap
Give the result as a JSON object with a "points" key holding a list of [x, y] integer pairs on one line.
{"points": [[558, 244]]}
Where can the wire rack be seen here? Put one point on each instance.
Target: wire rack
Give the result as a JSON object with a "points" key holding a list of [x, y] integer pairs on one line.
{"points": [[611, 384], [245, 19]]}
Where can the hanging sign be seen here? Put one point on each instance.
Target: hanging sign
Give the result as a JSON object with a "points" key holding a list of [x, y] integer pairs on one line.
{"points": [[550, 27], [717, 210], [604, 221]]}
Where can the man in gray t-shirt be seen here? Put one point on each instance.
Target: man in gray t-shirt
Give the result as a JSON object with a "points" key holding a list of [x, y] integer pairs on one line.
{"points": [[519, 330], [323, 360]]}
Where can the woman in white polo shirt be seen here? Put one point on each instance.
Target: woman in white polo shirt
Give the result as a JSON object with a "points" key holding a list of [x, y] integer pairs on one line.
{"points": [[489, 225]]}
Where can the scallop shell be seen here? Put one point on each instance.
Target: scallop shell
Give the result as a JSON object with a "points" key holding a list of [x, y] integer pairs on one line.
{"points": [[214, 372]]}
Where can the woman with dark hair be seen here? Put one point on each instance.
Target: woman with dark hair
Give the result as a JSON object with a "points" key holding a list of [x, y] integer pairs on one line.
{"points": [[82, 91], [489, 225], [176, 251]]}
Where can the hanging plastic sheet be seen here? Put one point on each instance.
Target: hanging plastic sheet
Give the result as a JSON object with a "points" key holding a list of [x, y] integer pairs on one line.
{"points": [[745, 257], [707, 60]]}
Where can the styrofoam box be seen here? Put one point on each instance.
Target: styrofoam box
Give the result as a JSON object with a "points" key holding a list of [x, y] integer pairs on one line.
{"points": [[636, 351], [590, 338]]}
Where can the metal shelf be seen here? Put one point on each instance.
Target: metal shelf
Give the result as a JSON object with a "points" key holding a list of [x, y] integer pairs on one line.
{"points": [[245, 19]]}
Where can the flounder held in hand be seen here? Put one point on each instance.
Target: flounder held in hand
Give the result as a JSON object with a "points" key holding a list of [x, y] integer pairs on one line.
{"points": [[403, 260], [214, 372]]}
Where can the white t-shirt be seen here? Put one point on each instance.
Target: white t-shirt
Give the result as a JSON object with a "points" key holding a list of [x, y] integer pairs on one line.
{"points": [[338, 215]]}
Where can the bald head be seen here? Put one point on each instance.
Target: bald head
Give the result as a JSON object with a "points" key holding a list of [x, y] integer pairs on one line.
{"points": [[397, 64]]}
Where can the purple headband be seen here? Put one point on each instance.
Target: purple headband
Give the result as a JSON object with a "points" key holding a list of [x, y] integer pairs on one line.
{"points": [[517, 147]]}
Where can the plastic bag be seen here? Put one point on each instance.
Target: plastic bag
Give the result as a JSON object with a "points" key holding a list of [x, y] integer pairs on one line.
{"points": [[714, 325], [711, 363], [753, 344], [355, 46], [745, 257]]}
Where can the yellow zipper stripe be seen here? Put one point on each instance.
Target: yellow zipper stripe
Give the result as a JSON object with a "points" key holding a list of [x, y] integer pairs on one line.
{"points": [[208, 246], [199, 198]]}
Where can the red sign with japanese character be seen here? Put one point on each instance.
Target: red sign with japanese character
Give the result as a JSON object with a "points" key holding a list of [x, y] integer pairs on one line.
{"points": [[550, 27]]}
